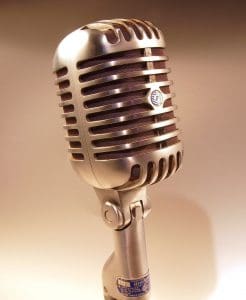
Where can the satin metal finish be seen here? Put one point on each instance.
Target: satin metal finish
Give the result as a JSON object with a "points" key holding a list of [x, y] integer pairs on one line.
{"points": [[129, 259], [87, 43], [122, 196]]}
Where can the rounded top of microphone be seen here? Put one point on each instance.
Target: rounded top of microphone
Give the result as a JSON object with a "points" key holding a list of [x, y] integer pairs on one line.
{"points": [[117, 29], [107, 36]]}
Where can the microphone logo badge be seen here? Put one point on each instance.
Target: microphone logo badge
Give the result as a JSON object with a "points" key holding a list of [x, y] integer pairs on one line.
{"points": [[157, 98]]}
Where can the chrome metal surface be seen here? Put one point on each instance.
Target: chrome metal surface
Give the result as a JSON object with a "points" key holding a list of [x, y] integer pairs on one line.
{"points": [[95, 100], [122, 132], [129, 259]]}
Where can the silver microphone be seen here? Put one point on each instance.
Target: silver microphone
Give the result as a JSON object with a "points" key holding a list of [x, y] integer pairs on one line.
{"points": [[122, 133]]}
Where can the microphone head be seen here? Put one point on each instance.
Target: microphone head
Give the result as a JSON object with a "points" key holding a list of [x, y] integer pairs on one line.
{"points": [[119, 116]]}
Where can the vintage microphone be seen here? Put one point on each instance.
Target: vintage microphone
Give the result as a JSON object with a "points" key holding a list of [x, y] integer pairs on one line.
{"points": [[122, 133]]}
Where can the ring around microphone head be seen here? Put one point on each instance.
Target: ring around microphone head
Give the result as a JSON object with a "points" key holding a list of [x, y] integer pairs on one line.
{"points": [[119, 116]]}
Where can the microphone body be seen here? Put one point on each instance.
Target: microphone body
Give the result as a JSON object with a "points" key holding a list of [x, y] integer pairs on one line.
{"points": [[122, 133]]}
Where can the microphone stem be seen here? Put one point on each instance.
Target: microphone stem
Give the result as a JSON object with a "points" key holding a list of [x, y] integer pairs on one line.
{"points": [[130, 248], [126, 273]]}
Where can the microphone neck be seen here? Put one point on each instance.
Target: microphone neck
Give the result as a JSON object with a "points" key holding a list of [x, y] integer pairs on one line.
{"points": [[117, 206], [126, 273]]}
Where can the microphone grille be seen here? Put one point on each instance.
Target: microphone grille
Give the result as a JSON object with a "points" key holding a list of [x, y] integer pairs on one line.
{"points": [[127, 101], [117, 104]]}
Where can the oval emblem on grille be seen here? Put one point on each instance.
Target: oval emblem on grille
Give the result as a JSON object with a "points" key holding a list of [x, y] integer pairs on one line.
{"points": [[156, 98]]}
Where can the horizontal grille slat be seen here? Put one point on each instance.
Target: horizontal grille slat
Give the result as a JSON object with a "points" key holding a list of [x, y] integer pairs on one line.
{"points": [[122, 90], [63, 91], [120, 126], [129, 152], [134, 116], [116, 105], [72, 138], [90, 72], [112, 56], [122, 75], [129, 139], [98, 103], [118, 69], [148, 138], [118, 112], [61, 79], [139, 129], [70, 126], [68, 115], [115, 84], [64, 103], [75, 150]]}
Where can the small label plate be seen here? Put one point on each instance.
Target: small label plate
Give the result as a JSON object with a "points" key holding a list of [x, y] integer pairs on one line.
{"points": [[134, 287]]}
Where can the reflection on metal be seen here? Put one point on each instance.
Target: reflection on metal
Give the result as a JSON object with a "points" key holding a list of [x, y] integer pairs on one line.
{"points": [[122, 132]]}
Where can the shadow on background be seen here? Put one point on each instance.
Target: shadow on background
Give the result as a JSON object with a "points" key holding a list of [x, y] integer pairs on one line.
{"points": [[181, 253]]}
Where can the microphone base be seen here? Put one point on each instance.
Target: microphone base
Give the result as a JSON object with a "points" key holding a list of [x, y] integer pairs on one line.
{"points": [[126, 273]]}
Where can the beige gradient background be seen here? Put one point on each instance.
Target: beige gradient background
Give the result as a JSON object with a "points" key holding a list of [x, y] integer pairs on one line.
{"points": [[52, 243]]}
